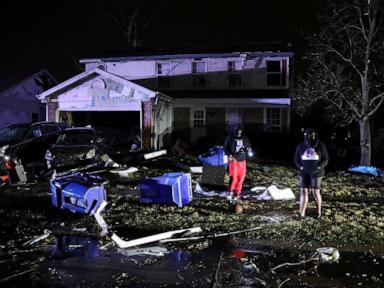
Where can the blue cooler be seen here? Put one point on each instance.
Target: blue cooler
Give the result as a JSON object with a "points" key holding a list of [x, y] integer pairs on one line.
{"points": [[171, 188], [78, 192]]}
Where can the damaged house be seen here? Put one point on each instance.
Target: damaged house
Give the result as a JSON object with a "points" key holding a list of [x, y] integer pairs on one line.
{"points": [[18, 101], [190, 95]]}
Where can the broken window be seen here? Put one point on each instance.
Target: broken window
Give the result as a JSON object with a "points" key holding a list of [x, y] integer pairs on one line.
{"points": [[199, 70], [163, 75], [274, 73], [234, 76]]}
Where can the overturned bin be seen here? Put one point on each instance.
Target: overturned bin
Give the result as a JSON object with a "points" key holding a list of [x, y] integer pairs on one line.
{"points": [[214, 166], [78, 192], [170, 188]]}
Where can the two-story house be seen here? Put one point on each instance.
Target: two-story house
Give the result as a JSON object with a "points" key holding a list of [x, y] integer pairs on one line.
{"points": [[18, 102], [193, 95]]}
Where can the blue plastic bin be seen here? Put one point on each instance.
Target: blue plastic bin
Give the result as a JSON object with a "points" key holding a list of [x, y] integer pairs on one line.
{"points": [[78, 192], [215, 157], [171, 188]]}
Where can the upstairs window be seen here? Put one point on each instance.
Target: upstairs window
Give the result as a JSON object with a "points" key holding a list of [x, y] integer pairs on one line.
{"points": [[163, 75], [234, 76], [199, 70], [277, 72]]}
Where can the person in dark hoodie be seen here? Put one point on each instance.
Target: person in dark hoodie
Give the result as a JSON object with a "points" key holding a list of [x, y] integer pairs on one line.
{"points": [[237, 147], [311, 157]]}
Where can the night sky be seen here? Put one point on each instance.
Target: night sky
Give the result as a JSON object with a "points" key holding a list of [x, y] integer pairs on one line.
{"points": [[55, 34]]}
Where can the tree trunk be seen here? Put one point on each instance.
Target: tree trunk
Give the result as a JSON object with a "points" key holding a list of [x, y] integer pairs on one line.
{"points": [[365, 142]]}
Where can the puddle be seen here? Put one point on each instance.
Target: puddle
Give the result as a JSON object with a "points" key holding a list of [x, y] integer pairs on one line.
{"points": [[254, 267], [80, 262]]}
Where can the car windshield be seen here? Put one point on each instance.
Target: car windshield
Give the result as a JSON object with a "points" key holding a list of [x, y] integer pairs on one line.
{"points": [[12, 133], [76, 137]]}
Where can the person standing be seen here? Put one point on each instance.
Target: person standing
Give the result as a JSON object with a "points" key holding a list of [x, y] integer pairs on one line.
{"points": [[311, 156], [236, 148]]}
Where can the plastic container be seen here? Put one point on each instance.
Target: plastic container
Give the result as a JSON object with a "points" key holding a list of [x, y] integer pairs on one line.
{"points": [[169, 189], [79, 193], [215, 157]]}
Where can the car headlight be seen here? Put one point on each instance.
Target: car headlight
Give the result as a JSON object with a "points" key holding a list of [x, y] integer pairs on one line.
{"points": [[90, 154], [250, 153], [2, 149]]}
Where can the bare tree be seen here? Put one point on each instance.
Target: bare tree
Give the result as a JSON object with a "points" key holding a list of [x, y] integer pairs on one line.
{"points": [[345, 66], [130, 18]]}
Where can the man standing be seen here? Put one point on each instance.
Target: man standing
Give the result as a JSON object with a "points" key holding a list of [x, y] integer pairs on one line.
{"points": [[237, 147]]}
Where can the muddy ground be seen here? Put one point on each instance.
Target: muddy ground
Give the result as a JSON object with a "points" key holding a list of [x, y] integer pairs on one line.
{"points": [[75, 255]]}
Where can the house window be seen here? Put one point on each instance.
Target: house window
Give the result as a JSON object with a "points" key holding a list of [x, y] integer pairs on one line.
{"points": [[273, 117], [274, 73], [163, 75], [234, 76], [34, 117], [198, 118], [199, 70]]}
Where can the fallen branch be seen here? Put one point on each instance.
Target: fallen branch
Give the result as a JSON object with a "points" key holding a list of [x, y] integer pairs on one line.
{"points": [[217, 270], [38, 238], [282, 283], [17, 275], [295, 264]]}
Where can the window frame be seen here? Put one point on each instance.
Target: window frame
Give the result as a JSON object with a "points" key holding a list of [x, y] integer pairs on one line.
{"points": [[195, 119], [270, 123], [199, 79], [273, 73], [163, 80], [233, 73]]}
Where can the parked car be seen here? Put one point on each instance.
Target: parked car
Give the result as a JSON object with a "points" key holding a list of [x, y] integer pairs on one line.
{"points": [[17, 133], [26, 161], [77, 148]]}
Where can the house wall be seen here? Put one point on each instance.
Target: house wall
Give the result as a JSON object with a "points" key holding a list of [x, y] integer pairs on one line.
{"points": [[221, 117], [252, 71], [18, 103]]}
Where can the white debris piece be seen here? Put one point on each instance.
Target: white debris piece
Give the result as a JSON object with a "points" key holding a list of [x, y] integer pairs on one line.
{"points": [[151, 251], [274, 193], [140, 241], [155, 154], [123, 173], [328, 254], [196, 169], [200, 190], [258, 188], [153, 238], [38, 238]]}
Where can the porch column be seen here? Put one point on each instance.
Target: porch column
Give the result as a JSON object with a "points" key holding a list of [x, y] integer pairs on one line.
{"points": [[147, 125], [51, 111]]}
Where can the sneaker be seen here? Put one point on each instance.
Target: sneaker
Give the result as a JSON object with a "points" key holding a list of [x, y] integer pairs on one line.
{"points": [[318, 216]]}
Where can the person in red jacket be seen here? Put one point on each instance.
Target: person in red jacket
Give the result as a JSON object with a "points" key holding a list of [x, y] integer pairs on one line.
{"points": [[237, 147]]}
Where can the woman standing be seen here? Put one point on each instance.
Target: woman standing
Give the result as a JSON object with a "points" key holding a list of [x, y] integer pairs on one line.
{"points": [[311, 157]]}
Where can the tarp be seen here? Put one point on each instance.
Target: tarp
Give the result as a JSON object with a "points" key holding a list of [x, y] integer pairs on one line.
{"points": [[367, 170]]}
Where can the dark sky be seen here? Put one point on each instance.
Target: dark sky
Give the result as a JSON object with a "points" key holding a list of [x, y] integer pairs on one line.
{"points": [[55, 34]]}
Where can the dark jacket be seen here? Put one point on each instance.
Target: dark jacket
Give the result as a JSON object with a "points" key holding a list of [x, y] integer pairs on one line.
{"points": [[237, 147], [311, 160]]}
